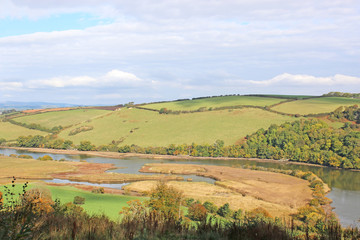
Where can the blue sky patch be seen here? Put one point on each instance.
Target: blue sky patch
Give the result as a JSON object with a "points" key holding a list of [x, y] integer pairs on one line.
{"points": [[62, 22]]}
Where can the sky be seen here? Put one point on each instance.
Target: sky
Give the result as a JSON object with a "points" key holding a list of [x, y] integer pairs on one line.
{"points": [[96, 52]]}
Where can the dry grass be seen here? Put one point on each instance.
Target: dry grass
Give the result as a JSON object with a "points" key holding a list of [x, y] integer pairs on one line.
{"points": [[31, 169], [207, 192], [272, 188]]}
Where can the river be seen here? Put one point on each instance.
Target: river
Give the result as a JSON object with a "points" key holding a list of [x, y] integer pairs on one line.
{"points": [[345, 184]]}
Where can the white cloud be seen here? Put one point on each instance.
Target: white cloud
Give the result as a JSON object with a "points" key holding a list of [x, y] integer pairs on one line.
{"points": [[113, 78], [308, 80], [12, 86], [177, 50]]}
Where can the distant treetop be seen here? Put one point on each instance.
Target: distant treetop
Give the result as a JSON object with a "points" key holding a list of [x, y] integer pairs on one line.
{"points": [[341, 94]]}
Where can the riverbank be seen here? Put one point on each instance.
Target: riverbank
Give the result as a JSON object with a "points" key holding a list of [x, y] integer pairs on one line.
{"points": [[35, 170], [117, 155]]}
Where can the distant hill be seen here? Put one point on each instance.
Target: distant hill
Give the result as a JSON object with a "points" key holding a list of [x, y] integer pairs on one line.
{"points": [[32, 105]]}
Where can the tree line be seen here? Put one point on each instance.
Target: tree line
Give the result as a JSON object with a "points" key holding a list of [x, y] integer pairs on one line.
{"points": [[350, 113]]}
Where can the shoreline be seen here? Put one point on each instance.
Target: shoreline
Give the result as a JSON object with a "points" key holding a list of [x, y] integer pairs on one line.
{"points": [[117, 155]]}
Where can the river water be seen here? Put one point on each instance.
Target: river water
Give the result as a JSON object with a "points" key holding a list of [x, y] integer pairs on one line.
{"points": [[345, 184]]}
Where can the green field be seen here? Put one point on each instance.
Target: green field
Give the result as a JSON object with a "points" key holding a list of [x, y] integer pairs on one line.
{"points": [[215, 102], [10, 131], [154, 129], [288, 96], [315, 105], [63, 118], [108, 204]]}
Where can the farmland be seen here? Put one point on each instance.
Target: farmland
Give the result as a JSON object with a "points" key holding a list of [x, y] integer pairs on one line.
{"points": [[147, 128], [10, 131], [315, 105], [215, 102], [62, 118], [141, 127]]}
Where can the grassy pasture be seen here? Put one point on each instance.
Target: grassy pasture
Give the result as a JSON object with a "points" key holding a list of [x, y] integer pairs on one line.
{"points": [[146, 128], [10, 131], [315, 105], [63, 118], [215, 102], [108, 204], [289, 96]]}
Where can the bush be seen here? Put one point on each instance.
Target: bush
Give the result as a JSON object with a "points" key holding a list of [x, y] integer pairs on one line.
{"points": [[86, 146], [238, 214], [224, 211], [25, 156], [189, 202], [79, 200], [100, 190], [210, 207], [259, 212], [45, 158], [197, 212], [80, 129]]}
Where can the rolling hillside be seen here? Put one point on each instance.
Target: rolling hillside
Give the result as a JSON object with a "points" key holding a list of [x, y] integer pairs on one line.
{"points": [[142, 127], [63, 118], [215, 102], [147, 128], [315, 105], [10, 131]]}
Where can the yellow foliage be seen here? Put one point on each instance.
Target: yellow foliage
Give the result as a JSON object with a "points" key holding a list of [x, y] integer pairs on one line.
{"points": [[39, 200]]}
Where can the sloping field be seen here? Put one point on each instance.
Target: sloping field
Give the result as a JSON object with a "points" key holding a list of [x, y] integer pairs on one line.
{"points": [[10, 131], [215, 102], [315, 105], [147, 128], [63, 118]]}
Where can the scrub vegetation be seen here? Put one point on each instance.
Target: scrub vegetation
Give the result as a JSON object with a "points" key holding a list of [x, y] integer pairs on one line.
{"points": [[35, 215]]}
